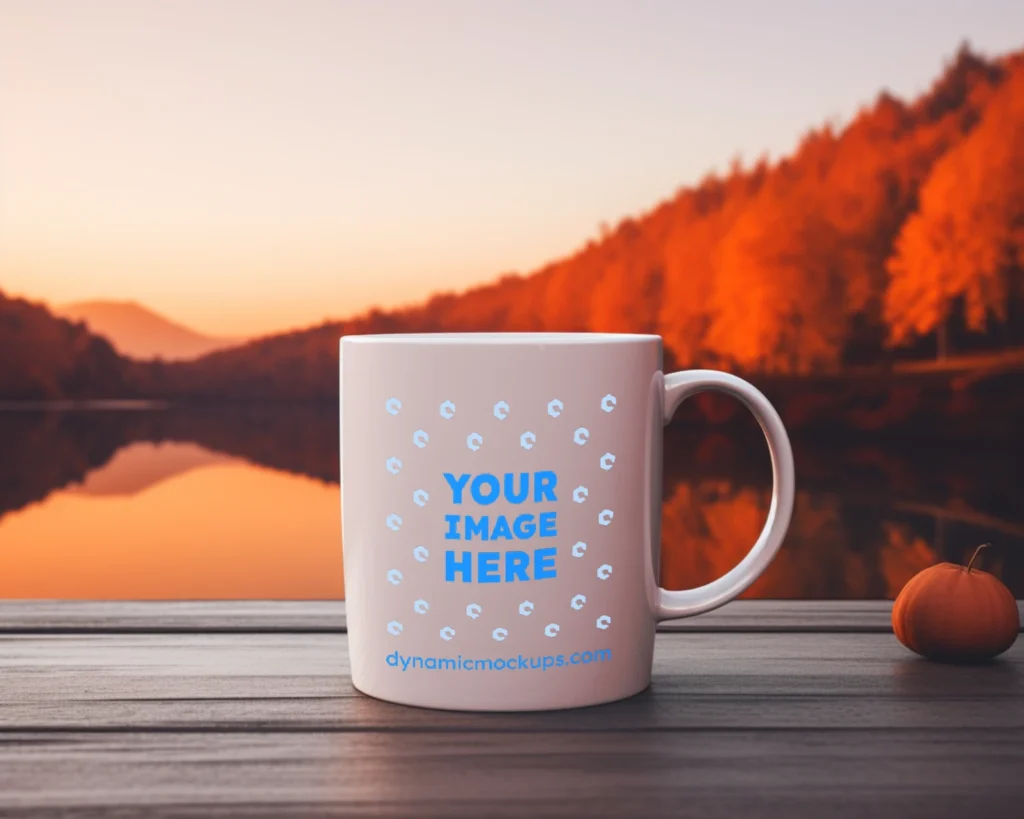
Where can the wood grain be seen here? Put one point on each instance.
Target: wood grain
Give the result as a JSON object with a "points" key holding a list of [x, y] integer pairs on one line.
{"points": [[328, 617], [170, 617], [266, 724], [779, 773], [300, 683]]}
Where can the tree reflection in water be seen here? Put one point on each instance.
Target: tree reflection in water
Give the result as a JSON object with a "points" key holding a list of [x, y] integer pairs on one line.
{"points": [[867, 517]]}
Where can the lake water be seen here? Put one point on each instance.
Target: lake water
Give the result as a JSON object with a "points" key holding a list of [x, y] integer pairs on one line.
{"points": [[164, 503]]}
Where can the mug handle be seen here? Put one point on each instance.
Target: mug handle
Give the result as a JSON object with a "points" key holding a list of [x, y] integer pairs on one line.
{"points": [[680, 386]]}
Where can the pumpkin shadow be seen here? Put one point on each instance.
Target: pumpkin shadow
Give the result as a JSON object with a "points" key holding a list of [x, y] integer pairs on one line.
{"points": [[920, 678]]}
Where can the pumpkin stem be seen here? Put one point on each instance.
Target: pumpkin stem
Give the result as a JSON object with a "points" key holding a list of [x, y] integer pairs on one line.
{"points": [[975, 555]]}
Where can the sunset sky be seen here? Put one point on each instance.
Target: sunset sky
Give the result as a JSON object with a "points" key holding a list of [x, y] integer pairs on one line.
{"points": [[245, 167]]}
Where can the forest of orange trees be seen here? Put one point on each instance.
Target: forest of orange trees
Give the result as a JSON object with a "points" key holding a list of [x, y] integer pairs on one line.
{"points": [[897, 237]]}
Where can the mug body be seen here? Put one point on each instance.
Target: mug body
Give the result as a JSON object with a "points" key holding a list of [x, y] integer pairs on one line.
{"points": [[500, 515]]}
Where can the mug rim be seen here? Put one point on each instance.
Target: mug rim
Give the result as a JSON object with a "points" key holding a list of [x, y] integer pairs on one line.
{"points": [[503, 338]]}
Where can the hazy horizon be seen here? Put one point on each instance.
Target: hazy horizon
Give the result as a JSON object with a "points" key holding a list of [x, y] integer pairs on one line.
{"points": [[247, 168]]}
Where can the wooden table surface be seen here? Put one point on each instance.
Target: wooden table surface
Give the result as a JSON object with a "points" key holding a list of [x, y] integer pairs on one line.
{"points": [[245, 710]]}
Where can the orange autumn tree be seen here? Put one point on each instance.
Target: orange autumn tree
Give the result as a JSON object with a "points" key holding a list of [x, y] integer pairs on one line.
{"points": [[701, 218], [798, 279], [967, 239], [777, 298], [627, 281]]}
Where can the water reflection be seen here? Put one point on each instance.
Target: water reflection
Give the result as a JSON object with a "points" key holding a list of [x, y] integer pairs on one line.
{"points": [[140, 466], [868, 516], [176, 521], [244, 504]]}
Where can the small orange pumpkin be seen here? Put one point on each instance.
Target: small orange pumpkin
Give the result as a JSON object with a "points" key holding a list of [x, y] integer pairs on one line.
{"points": [[956, 614]]}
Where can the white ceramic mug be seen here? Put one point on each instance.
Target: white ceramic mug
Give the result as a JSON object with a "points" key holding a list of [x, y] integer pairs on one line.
{"points": [[501, 499]]}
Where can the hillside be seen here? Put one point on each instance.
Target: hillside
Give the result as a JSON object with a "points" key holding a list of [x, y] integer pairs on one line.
{"points": [[897, 237], [860, 247], [43, 357], [138, 332]]}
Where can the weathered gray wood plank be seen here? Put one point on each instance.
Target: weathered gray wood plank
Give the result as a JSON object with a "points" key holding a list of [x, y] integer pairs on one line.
{"points": [[326, 616], [781, 773], [267, 724], [173, 617], [79, 617], [283, 683]]}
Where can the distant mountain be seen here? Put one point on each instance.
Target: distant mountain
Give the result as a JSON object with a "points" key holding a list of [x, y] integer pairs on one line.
{"points": [[138, 332]]}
